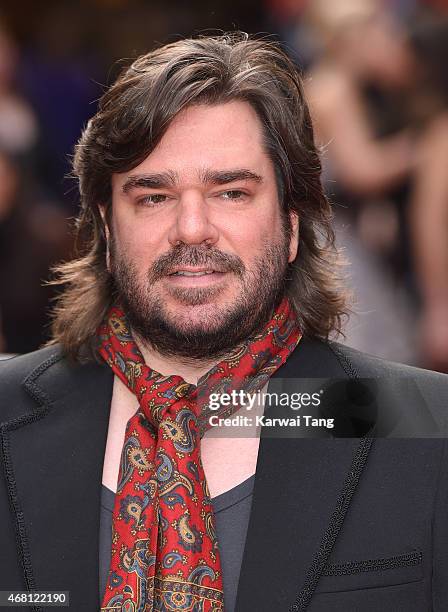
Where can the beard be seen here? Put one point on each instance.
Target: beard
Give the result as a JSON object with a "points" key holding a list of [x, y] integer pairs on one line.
{"points": [[220, 328]]}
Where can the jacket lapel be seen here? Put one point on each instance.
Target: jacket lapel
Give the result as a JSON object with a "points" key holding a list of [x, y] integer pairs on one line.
{"points": [[57, 497], [302, 491]]}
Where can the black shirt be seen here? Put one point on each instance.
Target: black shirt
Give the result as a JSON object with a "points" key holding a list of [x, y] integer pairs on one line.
{"points": [[232, 511]]}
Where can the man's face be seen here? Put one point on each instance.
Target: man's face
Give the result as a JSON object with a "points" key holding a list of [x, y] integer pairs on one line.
{"points": [[199, 245]]}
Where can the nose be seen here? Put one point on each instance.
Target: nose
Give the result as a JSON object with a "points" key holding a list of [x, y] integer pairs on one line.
{"points": [[192, 224]]}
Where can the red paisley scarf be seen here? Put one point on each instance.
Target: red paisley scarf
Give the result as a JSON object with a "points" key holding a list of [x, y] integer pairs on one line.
{"points": [[165, 552]]}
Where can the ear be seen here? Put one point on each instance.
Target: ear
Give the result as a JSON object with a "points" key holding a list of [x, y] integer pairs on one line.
{"points": [[102, 208], [294, 242]]}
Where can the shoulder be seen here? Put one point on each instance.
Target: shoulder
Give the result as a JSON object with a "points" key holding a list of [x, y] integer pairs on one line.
{"points": [[411, 399], [329, 79], [365, 365], [14, 373], [13, 370], [329, 91], [421, 395], [315, 358], [38, 378]]}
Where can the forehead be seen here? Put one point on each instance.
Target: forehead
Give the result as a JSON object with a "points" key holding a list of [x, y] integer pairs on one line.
{"points": [[205, 137]]}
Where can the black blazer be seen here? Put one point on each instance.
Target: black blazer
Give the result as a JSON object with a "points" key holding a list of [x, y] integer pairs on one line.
{"points": [[337, 524]]}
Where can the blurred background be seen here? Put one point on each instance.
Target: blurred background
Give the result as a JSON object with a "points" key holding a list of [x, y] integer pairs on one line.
{"points": [[377, 82]]}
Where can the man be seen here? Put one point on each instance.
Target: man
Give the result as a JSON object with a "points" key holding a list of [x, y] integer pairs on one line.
{"points": [[209, 268]]}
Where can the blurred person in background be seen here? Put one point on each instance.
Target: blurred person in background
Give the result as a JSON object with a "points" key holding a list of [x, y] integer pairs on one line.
{"points": [[18, 125], [33, 237], [428, 213], [359, 88]]}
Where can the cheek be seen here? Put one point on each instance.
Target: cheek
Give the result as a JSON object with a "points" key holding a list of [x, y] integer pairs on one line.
{"points": [[264, 236], [249, 232], [136, 240]]}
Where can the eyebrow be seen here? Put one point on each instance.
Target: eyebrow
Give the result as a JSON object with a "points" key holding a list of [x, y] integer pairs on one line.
{"points": [[222, 177], [159, 180], [163, 180]]}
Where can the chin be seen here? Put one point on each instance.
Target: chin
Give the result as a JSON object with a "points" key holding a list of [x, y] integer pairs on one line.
{"points": [[198, 318]]}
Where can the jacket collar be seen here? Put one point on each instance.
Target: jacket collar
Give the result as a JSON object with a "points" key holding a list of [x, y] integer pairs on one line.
{"points": [[298, 487]]}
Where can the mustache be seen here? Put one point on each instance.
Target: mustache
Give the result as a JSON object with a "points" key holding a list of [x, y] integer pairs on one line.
{"points": [[196, 256]]}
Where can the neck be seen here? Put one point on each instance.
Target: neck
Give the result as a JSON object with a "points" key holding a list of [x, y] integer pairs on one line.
{"points": [[189, 370]]}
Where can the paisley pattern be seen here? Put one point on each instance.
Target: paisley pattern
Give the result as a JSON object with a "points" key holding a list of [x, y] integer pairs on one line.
{"points": [[165, 553]]}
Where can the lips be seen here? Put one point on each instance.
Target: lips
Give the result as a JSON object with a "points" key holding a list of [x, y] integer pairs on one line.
{"points": [[193, 272], [193, 277], [185, 273]]}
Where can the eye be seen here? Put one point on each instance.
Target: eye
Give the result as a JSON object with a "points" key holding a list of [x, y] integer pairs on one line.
{"points": [[152, 199], [233, 194]]}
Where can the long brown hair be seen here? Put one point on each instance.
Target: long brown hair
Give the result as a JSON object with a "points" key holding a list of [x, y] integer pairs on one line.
{"points": [[132, 117]]}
